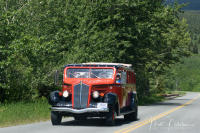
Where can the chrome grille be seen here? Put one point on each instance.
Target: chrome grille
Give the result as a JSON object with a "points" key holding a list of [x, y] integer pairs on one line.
{"points": [[81, 92]]}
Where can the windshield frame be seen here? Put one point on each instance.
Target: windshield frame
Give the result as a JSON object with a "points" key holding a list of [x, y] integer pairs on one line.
{"points": [[90, 72]]}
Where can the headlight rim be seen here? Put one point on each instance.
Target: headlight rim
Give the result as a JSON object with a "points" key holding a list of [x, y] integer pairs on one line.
{"points": [[65, 94], [95, 94]]}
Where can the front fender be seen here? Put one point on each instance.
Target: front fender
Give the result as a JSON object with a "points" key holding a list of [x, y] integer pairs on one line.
{"points": [[54, 97], [111, 98]]}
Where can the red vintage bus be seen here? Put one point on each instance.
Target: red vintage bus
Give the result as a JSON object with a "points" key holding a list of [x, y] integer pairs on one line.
{"points": [[96, 90]]}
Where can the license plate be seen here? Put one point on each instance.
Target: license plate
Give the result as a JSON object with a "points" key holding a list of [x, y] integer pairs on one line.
{"points": [[102, 105]]}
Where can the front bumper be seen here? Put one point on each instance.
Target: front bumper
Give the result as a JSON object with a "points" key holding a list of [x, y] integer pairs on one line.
{"points": [[79, 111]]}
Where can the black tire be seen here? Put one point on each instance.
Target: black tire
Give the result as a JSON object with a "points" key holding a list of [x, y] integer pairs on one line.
{"points": [[111, 116], [56, 118], [80, 118], [132, 116], [135, 114]]}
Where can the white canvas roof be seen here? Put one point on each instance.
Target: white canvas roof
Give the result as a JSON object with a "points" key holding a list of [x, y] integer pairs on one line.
{"points": [[105, 63]]}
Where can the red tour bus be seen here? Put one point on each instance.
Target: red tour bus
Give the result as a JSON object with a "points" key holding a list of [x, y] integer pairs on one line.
{"points": [[96, 90]]}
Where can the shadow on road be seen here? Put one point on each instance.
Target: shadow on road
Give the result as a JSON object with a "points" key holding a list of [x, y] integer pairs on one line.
{"points": [[97, 122], [167, 103], [172, 102]]}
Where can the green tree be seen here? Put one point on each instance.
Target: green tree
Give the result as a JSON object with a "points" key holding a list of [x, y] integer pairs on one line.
{"points": [[38, 37]]}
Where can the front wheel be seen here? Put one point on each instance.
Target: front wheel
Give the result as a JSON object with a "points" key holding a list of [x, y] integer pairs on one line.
{"points": [[110, 116], [56, 118]]}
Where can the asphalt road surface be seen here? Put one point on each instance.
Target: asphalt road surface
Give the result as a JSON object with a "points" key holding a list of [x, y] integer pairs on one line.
{"points": [[181, 114]]}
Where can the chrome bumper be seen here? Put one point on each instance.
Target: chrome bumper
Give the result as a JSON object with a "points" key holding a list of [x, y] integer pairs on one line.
{"points": [[79, 111]]}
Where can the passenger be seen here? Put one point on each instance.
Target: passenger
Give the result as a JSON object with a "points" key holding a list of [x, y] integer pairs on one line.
{"points": [[118, 78]]}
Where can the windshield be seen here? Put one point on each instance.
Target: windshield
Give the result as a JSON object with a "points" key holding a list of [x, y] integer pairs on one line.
{"points": [[89, 73]]}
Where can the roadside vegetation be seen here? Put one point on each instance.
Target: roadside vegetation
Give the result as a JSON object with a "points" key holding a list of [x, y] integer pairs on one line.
{"points": [[39, 37], [159, 97], [24, 112], [186, 74]]}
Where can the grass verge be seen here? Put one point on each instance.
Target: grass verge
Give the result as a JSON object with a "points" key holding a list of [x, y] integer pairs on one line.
{"points": [[22, 112], [153, 98]]}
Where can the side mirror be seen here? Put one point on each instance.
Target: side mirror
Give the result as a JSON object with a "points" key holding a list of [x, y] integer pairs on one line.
{"points": [[58, 76]]}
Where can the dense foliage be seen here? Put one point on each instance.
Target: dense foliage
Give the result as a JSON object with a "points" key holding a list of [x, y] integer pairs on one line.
{"points": [[186, 75], [193, 20], [37, 37]]}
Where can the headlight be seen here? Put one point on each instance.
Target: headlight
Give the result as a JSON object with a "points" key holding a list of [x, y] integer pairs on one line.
{"points": [[65, 94], [95, 94]]}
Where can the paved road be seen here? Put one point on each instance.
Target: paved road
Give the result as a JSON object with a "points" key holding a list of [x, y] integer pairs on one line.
{"points": [[181, 114]]}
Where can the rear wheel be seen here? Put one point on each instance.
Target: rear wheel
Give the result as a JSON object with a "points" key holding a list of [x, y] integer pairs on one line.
{"points": [[110, 116], [132, 116], [56, 118]]}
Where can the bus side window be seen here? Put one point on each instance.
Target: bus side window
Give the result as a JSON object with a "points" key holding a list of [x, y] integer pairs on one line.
{"points": [[123, 77], [128, 77], [132, 78]]}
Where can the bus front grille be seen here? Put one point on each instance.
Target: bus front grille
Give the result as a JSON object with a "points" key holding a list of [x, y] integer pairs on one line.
{"points": [[81, 92]]}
